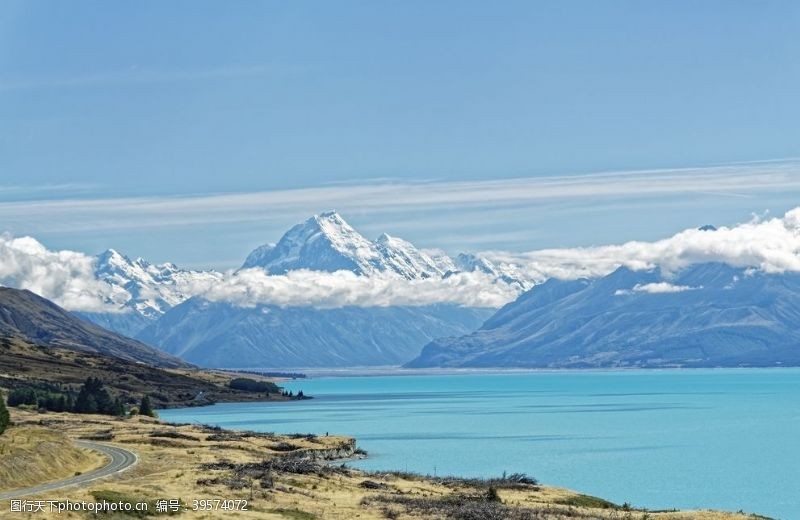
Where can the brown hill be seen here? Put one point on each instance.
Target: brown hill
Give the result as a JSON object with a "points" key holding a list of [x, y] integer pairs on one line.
{"points": [[25, 365], [38, 321]]}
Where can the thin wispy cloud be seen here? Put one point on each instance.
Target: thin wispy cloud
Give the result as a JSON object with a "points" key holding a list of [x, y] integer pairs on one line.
{"points": [[72, 214]]}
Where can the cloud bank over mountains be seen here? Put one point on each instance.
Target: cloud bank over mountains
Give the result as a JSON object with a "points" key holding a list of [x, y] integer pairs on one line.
{"points": [[321, 289], [770, 245], [66, 277], [69, 278]]}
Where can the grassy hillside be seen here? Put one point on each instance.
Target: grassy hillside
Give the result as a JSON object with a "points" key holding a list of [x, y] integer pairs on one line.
{"points": [[32, 455], [25, 315], [23, 364]]}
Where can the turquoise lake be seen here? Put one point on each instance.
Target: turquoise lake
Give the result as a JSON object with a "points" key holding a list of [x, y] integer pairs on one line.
{"points": [[720, 439]]}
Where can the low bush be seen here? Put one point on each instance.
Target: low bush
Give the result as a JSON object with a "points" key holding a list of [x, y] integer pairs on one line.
{"points": [[246, 384], [589, 501], [173, 435], [5, 418]]}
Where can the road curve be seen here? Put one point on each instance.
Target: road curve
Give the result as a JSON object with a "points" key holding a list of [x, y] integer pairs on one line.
{"points": [[120, 460]]}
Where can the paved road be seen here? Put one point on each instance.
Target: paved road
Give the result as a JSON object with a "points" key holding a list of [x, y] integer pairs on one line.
{"points": [[120, 460]]}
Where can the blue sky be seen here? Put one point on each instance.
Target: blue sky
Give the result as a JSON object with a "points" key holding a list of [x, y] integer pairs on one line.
{"points": [[153, 102]]}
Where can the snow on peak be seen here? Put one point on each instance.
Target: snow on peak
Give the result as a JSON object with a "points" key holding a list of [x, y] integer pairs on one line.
{"points": [[113, 259], [406, 260], [258, 256], [506, 272], [326, 242], [141, 286]]}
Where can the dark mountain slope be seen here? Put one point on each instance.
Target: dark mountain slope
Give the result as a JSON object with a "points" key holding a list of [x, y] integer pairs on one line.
{"points": [[36, 320], [24, 365], [708, 315]]}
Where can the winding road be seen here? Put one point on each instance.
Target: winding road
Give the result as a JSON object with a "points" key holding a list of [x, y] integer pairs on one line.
{"points": [[120, 460]]}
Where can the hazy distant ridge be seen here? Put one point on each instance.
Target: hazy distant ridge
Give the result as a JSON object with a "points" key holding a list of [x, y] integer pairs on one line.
{"points": [[706, 315]]}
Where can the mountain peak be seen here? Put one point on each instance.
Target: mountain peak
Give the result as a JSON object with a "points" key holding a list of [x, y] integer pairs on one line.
{"points": [[329, 220], [326, 242], [332, 224], [147, 288], [112, 256], [330, 214]]}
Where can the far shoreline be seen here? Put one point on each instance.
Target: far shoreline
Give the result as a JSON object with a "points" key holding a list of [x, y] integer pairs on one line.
{"points": [[399, 371]]}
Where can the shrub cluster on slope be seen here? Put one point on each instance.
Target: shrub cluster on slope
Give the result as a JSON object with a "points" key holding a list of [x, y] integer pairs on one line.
{"points": [[5, 419]]}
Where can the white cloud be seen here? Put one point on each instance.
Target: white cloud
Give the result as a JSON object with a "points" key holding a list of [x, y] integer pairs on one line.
{"points": [[65, 277], [770, 245], [662, 288], [655, 288], [250, 287]]}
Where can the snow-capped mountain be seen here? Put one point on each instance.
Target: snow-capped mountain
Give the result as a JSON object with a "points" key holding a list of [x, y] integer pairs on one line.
{"points": [[510, 274], [143, 291], [258, 256], [403, 258], [326, 242], [149, 289], [146, 288]]}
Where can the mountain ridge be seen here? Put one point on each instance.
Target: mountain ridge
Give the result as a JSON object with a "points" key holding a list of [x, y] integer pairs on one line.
{"points": [[37, 320], [145, 292], [326, 242], [709, 314]]}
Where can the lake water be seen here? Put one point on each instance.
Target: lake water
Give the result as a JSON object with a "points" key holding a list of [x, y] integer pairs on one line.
{"points": [[723, 439]]}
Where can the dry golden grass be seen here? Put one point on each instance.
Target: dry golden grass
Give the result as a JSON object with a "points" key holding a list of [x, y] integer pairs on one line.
{"points": [[31, 455], [171, 466]]}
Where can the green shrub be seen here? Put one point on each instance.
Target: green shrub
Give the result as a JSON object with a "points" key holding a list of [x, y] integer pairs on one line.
{"points": [[146, 408], [590, 502], [5, 418], [251, 385], [44, 398]]}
